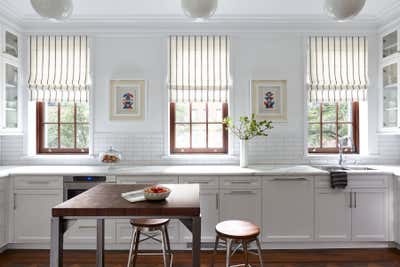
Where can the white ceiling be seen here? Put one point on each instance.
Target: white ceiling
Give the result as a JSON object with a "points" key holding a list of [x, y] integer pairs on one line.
{"points": [[245, 8]]}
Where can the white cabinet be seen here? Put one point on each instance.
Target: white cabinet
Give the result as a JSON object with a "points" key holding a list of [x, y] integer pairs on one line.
{"points": [[288, 209], [32, 213], [369, 215], [241, 204], [397, 210], [209, 206], [332, 215], [4, 193], [84, 232]]}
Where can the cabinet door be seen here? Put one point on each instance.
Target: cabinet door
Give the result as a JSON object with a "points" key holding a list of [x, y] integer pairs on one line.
{"points": [[390, 95], [84, 231], [209, 216], [11, 44], [237, 204], [332, 215], [32, 213], [3, 212], [369, 215], [288, 209]]}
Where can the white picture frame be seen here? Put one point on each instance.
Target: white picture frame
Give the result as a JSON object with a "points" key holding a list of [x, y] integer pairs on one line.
{"points": [[269, 99], [127, 99]]}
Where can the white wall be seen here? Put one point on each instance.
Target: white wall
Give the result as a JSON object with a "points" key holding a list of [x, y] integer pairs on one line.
{"points": [[274, 56]]}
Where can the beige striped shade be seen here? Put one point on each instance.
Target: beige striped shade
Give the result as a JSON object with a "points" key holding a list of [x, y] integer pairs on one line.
{"points": [[59, 68], [337, 68], [199, 68]]}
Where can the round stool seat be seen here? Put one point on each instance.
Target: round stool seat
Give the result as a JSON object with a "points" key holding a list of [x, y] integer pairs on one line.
{"points": [[237, 229], [149, 222]]}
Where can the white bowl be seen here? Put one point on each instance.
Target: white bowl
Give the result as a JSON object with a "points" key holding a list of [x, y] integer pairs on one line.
{"points": [[157, 196]]}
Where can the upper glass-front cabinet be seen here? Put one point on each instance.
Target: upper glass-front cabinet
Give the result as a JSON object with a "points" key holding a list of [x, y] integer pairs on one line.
{"points": [[390, 96], [10, 103], [390, 44], [11, 44]]}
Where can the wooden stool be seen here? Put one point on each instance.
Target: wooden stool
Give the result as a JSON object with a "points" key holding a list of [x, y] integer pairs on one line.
{"points": [[148, 227], [237, 232]]}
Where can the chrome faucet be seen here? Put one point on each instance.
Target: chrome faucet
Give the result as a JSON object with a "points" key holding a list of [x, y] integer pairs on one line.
{"points": [[341, 160], [342, 142]]}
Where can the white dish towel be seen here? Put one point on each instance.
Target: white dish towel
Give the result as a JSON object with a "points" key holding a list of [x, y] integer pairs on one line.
{"points": [[134, 196]]}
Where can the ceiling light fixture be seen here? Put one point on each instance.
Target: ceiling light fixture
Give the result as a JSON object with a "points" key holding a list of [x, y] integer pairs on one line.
{"points": [[199, 9], [53, 9], [342, 10]]}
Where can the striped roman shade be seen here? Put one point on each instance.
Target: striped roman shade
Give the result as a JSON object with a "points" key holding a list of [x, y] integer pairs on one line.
{"points": [[337, 68], [59, 68], [199, 68]]}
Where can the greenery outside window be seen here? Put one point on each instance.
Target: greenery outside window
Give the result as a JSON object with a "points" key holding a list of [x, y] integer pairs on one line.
{"points": [[329, 123], [62, 128]]}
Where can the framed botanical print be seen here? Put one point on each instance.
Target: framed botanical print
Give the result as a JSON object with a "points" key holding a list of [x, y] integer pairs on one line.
{"points": [[268, 100], [127, 99]]}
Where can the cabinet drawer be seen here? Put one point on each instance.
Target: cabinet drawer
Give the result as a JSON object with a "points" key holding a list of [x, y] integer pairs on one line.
{"points": [[84, 231], [147, 179], [38, 182], [357, 181], [3, 184], [240, 182], [204, 181]]}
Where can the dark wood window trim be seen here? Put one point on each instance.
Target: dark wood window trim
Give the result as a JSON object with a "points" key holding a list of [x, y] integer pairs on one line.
{"points": [[173, 123], [40, 125], [356, 132]]}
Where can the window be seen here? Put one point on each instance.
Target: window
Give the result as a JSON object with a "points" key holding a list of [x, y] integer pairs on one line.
{"points": [[62, 127], [198, 128], [198, 84], [329, 124]]}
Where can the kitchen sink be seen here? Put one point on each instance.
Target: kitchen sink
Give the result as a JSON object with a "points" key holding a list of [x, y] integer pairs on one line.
{"points": [[346, 168]]}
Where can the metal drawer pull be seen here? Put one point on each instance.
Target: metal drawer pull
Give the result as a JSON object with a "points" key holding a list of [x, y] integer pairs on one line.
{"points": [[351, 200], [217, 201], [355, 199], [289, 179], [38, 182], [15, 201], [199, 182], [86, 227], [241, 193], [240, 182]]}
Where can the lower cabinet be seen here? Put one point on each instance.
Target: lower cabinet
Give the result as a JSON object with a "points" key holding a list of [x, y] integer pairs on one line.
{"points": [[288, 209], [84, 231], [32, 213], [369, 215], [240, 204], [332, 215], [4, 193]]}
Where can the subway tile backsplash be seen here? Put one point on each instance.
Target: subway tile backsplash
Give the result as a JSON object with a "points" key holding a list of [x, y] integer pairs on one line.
{"points": [[148, 148]]}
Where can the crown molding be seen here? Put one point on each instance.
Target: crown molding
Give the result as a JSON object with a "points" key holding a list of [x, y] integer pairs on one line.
{"points": [[10, 15], [389, 17], [164, 24]]}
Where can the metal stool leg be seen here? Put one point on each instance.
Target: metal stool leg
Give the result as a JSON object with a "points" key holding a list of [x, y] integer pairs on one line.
{"points": [[246, 254], [228, 252], [164, 247], [135, 253], [132, 247], [215, 251], [168, 244], [259, 252]]}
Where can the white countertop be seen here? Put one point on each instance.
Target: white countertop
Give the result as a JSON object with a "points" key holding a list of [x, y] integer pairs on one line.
{"points": [[180, 170]]}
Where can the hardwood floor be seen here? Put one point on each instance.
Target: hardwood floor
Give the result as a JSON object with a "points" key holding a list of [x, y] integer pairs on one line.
{"points": [[272, 258]]}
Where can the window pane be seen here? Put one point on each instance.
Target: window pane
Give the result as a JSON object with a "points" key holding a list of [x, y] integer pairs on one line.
{"points": [[314, 135], [182, 136], [199, 136], [67, 112], [67, 136], [215, 132], [313, 112], [328, 135], [51, 112], [82, 112], [198, 112], [215, 112], [344, 112], [50, 136], [82, 138], [329, 112], [182, 113]]}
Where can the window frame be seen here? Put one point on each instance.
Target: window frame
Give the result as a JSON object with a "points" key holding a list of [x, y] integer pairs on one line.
{"points": [[40, 123], [356, 132], [173, 123]]}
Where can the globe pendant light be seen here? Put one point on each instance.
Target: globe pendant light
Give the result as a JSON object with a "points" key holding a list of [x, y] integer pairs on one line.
{"points": [[199, 9], [53, 9], [342, 10]]}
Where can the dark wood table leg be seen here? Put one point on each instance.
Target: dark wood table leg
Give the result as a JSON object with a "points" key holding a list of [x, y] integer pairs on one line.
{"points": [[100, 243], [196, 241], [57, 242]]}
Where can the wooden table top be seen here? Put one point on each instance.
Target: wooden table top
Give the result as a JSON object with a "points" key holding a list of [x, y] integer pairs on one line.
{"points": [[105, 200]]}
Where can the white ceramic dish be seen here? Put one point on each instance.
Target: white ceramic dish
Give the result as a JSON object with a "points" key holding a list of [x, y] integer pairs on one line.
{"points": [[157, 196]]}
